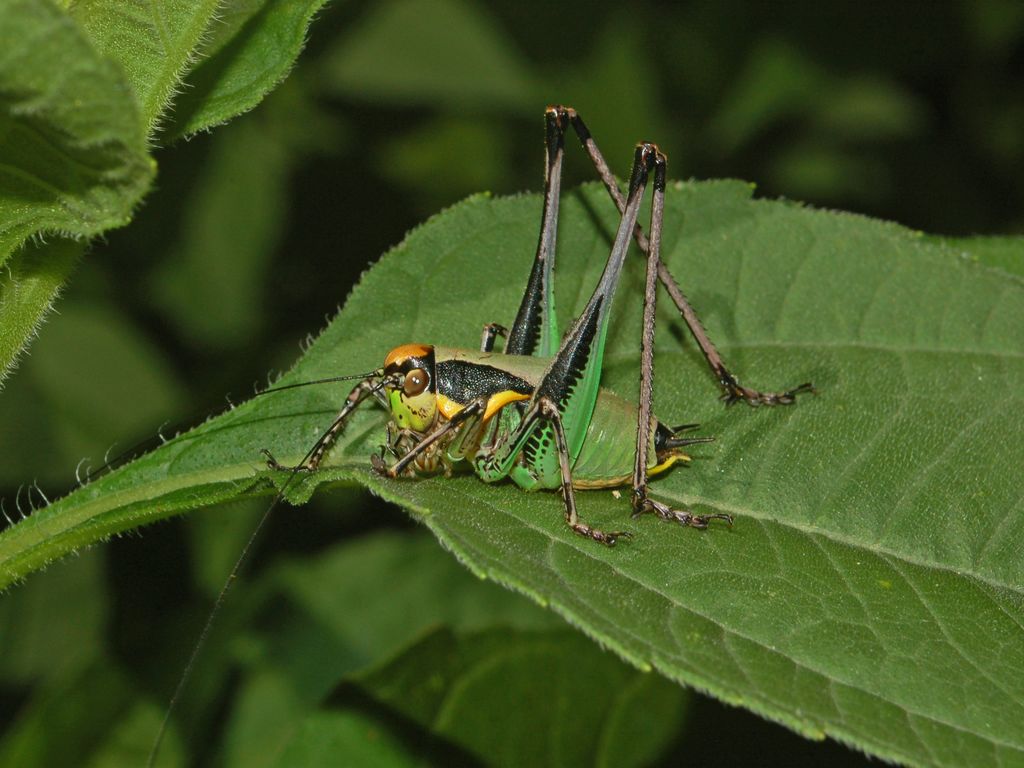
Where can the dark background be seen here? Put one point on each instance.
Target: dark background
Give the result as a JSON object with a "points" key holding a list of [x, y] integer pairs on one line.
{"points": [[912, 112]]}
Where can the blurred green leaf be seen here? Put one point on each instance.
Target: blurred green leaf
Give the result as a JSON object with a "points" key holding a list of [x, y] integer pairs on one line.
{"points": [[874, 561], [325, 735], [31, 648], [552, 689], [213, 247], [994, 25], [828, 173], [212, 282], [248, 52], [616, 87], [870, 108], [421, 159], [93, 383], [385, 589], [417, 573], [218, 537], [129, 739], [780, 82], [88, 719], [267, 711], [431, 53]]}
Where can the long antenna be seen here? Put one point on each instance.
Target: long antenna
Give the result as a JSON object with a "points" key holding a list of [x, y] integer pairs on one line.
{"points": [[242, 559], [330, 380]]}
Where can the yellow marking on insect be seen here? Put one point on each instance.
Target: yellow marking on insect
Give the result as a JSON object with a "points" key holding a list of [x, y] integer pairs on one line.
{"points": [[616, 481], [595, 483], [449, 407], [500, 400], [672, 459], [400, 354]]}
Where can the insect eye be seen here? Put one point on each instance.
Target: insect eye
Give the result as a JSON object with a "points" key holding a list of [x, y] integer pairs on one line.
{"points": [[415, 382]]}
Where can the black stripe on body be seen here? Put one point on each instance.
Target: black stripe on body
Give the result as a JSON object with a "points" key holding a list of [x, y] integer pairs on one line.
{"points": [[565, 373], [568, 367], [524, 336], [662, 435], [462, 382]]}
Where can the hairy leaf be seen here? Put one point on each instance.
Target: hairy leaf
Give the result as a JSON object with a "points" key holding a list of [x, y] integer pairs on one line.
{"points": [[248, 53], [154, 42], [871, 589], [1006, 253], [82, 92], [28, 287], [73, 156]]}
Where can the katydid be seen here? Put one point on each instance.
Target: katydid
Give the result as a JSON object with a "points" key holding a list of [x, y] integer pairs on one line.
{"points": [[535, 414]]}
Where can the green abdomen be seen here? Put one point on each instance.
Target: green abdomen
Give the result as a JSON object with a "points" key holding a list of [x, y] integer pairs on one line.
{"points": [[606, 458]]}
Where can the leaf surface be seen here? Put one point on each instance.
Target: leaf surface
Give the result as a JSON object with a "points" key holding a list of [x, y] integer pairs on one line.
{"points": [[73, 157], [29, 285], [248, 53], [871, 589]]}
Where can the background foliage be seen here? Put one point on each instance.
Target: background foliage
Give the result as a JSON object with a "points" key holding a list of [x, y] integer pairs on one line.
{"points": [[256, 231]]}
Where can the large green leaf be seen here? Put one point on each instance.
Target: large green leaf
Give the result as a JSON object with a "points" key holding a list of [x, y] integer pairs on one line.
{"points": [[871, 589]]}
